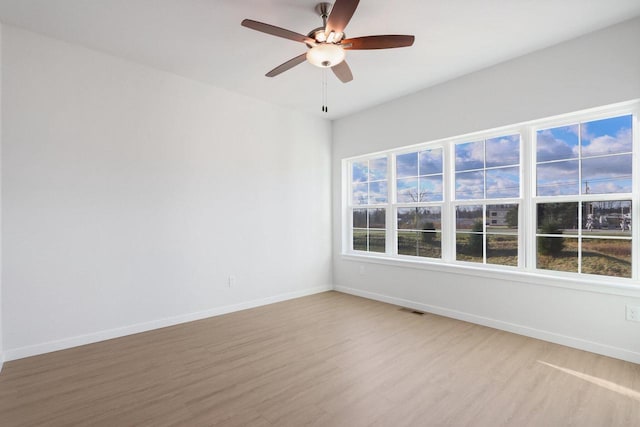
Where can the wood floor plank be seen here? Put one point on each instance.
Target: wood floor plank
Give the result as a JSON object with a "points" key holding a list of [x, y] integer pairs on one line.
{"points": [[326, 360]]}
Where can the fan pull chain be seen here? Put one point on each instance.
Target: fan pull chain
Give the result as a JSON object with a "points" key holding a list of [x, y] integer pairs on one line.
{"points": [[325, 109]]}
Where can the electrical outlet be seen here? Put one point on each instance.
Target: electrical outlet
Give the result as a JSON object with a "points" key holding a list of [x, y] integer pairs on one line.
{"points": [[232, 281], [633, 313]]}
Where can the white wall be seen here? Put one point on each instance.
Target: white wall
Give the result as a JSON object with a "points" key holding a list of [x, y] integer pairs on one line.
{"points": [[130, 195], [1, 341], [594, 70]]}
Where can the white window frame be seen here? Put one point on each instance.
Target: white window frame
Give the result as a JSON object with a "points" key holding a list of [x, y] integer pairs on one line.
{"points": [[528, 200], [484, 202], [351, 206], [580, 198], [393, 194]]}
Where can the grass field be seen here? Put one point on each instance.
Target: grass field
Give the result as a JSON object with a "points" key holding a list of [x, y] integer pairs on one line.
{"points": [[608, 257], [501, 249], [421, 244]]}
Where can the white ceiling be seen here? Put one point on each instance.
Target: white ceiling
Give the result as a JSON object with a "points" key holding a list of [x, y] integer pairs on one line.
{"points": [[203, 40]]}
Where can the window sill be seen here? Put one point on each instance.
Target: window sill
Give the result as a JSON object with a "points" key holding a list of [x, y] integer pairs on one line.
{"points": [[585, 283]]}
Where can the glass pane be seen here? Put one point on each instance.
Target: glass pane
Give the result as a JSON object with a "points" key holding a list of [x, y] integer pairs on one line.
{"points": [[606, 257], [407, 218], [503, 182], [431, 161], [359, 171], [557, 218], [419, 218], [502, 218], [470, 185], [407, 165], [556, 179], [359, 240], [377, 218], [378, 192], [430, 244], [429, 218], [557, 144], [610, 218], [407, 189], [605, 175], [469, 218], [431, 188], [607, 136], [469, 247], [558, 253], [502, 249], [376, 241], [359, 218], [408, 242], [360, 194], [470, 155], [378, 169], [503, 151]]}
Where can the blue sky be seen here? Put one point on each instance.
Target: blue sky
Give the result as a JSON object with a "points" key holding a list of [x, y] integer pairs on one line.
{"points": [[611, 138], [501, 153], [423, 189], [369, 170], [600, 150], [369, 181], [427, 162], [557, 143], [469, 156]]}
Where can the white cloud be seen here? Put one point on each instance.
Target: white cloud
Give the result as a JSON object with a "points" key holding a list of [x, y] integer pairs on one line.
{"points": [[549, 147], [470, 155], [503, 151], [607, 144]]}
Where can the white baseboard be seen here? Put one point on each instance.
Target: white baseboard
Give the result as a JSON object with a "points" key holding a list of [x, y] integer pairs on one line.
{"points": [[47, 347], [581, 344]]}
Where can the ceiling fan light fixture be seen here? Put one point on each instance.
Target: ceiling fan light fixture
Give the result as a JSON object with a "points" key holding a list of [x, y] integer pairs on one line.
{"points": [[326, 55]]}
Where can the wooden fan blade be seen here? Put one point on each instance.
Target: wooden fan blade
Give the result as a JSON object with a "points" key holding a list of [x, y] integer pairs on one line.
{"points": [[378, 42], [276, 31], [340, 15], [287, 65], [343, 72]]}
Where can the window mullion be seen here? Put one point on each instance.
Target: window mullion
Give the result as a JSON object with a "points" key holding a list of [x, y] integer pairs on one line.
{"points": [[635, 195], [528, 232], [392, 197], [448, 211]]}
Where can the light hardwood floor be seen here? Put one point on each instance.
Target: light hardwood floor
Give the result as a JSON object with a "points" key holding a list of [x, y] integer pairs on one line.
{"points": [[326, 360]]}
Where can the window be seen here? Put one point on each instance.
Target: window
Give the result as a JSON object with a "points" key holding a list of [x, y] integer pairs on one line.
{"points": [[369, 188], [553, 196], [487, 169], [584, 192], [419, 196]]}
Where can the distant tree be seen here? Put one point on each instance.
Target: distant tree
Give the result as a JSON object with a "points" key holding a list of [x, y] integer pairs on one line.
{"points": [[512, 217], [550, 245], [475, 240], [429, 226], [563, 215]]}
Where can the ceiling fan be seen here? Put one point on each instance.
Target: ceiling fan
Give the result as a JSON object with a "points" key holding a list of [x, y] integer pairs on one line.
{"points": [[327, 44]]}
